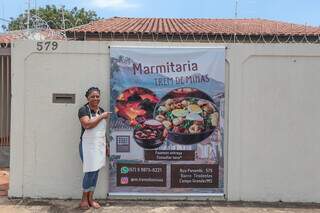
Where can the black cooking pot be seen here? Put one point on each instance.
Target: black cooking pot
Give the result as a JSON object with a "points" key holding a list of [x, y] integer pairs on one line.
{"points": [[149, 143], [186, 138]]}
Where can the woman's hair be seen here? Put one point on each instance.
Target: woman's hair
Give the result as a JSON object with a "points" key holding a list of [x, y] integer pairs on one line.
{"points": [[91, 89]]}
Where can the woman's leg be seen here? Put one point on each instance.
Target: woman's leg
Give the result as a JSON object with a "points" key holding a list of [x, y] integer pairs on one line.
{"points": [[90, 181], [84, 204], [92, 202]]}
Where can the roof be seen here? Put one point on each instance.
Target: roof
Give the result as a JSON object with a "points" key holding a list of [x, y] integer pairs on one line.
{"points": [[8, 37], [195, 26]]}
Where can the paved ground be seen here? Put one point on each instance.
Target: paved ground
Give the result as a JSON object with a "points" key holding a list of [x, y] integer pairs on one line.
{"points": [[61, 206]]}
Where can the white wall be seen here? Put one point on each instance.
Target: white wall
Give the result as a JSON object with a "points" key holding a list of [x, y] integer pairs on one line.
{"points": [[273, 130], [45, 136], [272, 133]]}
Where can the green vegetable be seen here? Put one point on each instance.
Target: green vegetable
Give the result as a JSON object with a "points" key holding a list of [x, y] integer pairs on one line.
{"points": [[187, 124], [193, 100], [179, 112], [207, 123], [170, 115], [138, 126]]}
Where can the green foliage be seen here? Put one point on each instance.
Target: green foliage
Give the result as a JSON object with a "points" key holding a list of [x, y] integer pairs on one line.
{"points": [[53, 16]]}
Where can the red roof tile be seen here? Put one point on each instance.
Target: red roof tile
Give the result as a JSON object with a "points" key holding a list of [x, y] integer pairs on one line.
{"points": [[196, 26], [8, 37]]}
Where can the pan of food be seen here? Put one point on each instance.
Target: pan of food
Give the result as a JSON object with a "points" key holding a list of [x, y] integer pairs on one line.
{"points": [[188, 114], [150, 134]]}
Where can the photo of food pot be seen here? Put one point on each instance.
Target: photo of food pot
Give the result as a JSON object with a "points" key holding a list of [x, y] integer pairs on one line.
{"points": [[189, 115], [150, 134], [136, 105]]}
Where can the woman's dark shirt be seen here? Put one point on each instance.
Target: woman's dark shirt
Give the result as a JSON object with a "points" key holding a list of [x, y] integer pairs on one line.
{"points": [[84, 111]]}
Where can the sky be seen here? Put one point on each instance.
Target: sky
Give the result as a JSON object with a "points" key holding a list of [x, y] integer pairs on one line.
{"points": [[293, 11]]}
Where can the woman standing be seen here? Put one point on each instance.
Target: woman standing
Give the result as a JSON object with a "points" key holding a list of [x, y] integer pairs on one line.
{"points": [[92, 145]]}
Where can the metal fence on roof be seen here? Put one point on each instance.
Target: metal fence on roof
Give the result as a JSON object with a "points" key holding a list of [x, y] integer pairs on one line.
{"points": [[191, 37], [195, 30], [203, 32]]}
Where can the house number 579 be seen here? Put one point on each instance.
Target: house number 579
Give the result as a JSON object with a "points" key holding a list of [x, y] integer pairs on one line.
{"points": [[47, 46]]}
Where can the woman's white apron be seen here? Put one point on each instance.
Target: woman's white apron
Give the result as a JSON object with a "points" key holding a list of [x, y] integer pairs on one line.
{"points": [[94, 147]]}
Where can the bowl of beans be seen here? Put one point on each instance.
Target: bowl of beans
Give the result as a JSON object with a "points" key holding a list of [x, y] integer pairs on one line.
{"points": [[149, 135]]}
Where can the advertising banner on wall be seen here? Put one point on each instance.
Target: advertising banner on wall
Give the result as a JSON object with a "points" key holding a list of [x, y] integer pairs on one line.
{"points": [[167, 126]]}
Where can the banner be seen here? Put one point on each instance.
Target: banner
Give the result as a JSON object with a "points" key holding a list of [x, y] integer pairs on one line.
{"points": [[167, 126]]}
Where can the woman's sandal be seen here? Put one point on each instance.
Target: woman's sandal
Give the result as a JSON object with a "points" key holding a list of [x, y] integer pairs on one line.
{"points": [[84, 205], [94, 204]]}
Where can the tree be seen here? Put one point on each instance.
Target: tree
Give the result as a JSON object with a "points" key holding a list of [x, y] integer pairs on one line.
{"points": [[54, 17]]}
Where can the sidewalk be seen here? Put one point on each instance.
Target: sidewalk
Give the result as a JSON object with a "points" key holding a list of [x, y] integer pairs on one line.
{"points": [[112, 206], [57, 206]]}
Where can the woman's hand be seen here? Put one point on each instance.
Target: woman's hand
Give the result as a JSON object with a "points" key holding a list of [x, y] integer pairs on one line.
{"points": [[105, 115], [88, 123]]}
